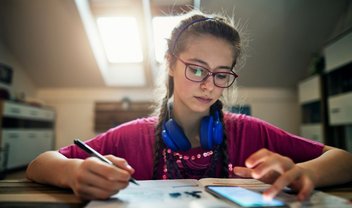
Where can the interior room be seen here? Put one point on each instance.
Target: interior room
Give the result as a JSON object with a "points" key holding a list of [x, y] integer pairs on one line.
{"points": [[61, 78]]}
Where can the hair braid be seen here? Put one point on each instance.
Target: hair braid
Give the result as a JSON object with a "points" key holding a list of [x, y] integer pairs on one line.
{"points": [[211, 172], [223, 149], [158, 146], [225, 158], [169, 165], [173, 171]]}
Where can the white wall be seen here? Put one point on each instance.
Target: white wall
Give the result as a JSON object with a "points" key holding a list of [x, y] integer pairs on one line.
{"points": [[277, 106], [75, 108]]}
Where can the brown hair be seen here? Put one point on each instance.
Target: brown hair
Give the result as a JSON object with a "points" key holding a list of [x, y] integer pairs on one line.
{"points": [[193, 24]]}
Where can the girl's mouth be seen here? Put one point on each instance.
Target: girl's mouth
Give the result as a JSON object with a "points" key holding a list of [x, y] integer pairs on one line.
{"points": [[203, 100]]}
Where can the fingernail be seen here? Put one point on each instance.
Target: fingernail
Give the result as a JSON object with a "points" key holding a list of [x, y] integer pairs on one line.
{"points": [[268, 195], [255, 175], [267, 198]]}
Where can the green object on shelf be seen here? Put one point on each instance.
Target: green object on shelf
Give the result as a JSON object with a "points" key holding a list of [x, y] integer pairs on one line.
{"points": [[316, 65]]}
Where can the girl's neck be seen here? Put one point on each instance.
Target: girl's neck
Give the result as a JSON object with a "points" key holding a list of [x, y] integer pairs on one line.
{"points": [[189, 121]]}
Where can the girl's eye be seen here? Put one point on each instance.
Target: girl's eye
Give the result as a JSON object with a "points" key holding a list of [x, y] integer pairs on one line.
{"points": [[197, 71], [221, 76]]}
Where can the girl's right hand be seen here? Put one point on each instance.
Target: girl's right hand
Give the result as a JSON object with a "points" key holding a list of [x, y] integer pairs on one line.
{"points": [[278, 170], [94, 179]]}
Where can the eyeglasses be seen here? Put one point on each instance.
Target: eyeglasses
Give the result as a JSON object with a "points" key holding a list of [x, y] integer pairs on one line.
{"points": [[196, 73]]}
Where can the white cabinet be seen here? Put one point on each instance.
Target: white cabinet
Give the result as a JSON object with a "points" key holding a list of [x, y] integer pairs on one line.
{"points": [[24, 145], [340, 109], [309, 89], [312, 112], [26, 131], [339, 53]]}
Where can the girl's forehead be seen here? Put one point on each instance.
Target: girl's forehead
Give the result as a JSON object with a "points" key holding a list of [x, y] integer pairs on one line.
{"points": [[208, 48]]}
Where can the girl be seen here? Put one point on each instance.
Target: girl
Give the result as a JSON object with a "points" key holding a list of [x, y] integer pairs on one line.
{"points": [[191, 136]]}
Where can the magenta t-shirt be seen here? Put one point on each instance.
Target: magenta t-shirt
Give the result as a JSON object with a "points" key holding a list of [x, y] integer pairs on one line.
{"points": [[134, 142]]}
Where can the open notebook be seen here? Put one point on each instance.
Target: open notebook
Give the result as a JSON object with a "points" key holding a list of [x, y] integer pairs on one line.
{"points": [[191, 193]]}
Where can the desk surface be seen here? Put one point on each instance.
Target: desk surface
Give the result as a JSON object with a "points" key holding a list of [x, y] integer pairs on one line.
{"points": [[23, 193], [344, 190]]}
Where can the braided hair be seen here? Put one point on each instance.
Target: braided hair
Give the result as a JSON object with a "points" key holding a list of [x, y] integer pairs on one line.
{"points": [[194, 23]]}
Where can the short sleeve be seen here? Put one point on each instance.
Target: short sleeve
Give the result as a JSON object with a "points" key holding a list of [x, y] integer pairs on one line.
{"points": [[247, 134]]}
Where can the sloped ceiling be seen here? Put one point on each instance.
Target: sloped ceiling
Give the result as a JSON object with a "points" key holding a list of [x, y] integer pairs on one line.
{"points": [[48, 39]]}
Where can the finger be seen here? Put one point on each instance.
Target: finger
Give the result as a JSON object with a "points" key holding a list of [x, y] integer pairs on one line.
{"points": [[92, 177], [109, 172], [282, 181], [257, 157], [272, 163], [243, 172], [306, 190], [121, 163]]}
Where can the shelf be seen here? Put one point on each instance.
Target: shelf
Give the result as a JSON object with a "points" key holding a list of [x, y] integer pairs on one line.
{"points": [[111, 114], [312, 112], [326, 99], [18, 110]]}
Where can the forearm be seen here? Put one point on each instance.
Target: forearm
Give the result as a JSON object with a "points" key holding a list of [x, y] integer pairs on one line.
{"points": [[52, 168], [334, 166]]}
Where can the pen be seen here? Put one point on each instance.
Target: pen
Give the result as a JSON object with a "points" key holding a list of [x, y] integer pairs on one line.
{"points": [[94, 153]]}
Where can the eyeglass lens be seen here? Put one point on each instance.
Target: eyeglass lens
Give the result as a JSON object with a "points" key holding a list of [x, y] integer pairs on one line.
{"points": [[198, 74]]}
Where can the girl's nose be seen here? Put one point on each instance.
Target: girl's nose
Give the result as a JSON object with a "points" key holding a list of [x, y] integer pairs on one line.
{"points": [[208, 83]]}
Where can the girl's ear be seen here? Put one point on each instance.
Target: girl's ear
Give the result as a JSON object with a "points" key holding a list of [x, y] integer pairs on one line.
{"points": [[171, 71], [170, 66]]}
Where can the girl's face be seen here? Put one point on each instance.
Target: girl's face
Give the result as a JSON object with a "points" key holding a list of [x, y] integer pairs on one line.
{"points": [[209, 52]]}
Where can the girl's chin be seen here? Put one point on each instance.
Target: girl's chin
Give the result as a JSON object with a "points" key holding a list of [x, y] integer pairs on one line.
{"points": [[201, 108]]}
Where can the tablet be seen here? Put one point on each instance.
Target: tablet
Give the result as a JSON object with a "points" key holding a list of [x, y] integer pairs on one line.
{"points": [[243, 197]]}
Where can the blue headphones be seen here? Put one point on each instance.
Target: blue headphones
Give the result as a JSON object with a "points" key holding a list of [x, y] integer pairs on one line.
{"points": [[211, 133]]}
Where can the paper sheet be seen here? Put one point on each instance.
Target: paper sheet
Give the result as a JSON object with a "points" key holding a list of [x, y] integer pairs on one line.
{"points": [[178, 193], [157, 193]]}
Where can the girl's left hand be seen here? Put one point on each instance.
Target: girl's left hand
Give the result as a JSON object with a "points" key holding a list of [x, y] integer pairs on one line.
{"points": [[279, 171]]}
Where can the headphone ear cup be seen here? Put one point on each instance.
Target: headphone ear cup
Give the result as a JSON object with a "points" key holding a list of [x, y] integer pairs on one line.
{"points": [[167, 140], [211, 131], [173, 136], [206, 132], [218, 131]]}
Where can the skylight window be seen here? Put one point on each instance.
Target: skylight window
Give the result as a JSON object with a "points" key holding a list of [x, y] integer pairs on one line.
{"points": [[162, 28], [120, 38], [114, 30]]}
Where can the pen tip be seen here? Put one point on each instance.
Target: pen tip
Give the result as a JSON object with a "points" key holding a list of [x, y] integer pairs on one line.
{"points": [[135, 182]]}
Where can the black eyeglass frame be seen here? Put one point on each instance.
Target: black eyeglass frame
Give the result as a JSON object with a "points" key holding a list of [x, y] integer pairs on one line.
{"points": [[210, 73]]}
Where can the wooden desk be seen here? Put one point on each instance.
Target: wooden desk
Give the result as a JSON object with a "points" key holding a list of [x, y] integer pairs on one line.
{"points": [[344, 191], [23, 193]]}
